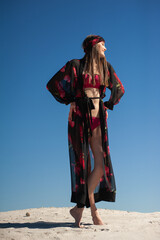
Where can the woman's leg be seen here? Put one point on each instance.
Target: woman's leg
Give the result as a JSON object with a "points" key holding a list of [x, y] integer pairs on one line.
{"points": [[97, 173]]}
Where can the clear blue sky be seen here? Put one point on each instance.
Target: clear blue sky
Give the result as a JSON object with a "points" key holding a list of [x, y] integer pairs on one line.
{"points": [[37, 38]]}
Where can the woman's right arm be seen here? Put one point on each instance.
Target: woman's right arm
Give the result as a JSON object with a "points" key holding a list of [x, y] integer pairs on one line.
{"points": [[61, 84]]}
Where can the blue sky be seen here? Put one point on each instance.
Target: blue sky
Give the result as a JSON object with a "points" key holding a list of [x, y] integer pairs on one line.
{"points": [[37, 38]]}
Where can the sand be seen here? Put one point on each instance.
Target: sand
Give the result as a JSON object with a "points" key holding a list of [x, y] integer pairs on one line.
{"points": [[56, 224]]}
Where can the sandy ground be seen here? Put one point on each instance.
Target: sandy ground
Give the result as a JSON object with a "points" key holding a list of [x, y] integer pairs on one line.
{"points": [[56, 224]]}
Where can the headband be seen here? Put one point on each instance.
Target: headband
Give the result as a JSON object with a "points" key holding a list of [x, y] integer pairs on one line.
{"points": [[92, 41]]}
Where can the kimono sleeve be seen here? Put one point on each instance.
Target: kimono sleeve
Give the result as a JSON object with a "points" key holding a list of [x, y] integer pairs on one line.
{"points": [[61, 84], [116, 87]]}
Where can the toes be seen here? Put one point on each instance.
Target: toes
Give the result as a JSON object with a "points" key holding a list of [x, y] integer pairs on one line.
{"points": [[81, 226], [97, 220], [78, 225]]}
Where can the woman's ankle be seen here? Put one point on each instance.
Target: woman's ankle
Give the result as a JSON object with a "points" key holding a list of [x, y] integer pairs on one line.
{"points": [[93, 209], [79, 209]]}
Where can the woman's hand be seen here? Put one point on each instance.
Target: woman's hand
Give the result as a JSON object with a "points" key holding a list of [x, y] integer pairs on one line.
{"points": [[107, 114], [106, 111], [72, 109]]}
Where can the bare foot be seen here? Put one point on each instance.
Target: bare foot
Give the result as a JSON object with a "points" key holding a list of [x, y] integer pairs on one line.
{"points": [[97, 220], [76, 213], [95, 216]]}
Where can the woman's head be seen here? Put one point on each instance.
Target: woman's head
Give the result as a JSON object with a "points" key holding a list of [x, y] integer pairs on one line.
{"points": [[91, 42], [94, 47]]}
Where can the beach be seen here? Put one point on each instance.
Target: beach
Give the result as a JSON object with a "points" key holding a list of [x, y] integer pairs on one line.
{"points": [[57, 223]]}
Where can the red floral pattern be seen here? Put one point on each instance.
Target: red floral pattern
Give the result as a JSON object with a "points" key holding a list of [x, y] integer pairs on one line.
{"points": [[64, 86], [63, 68]]}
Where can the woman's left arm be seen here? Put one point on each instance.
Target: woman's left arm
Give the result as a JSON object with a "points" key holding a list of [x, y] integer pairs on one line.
{"points": [[116, 87]]}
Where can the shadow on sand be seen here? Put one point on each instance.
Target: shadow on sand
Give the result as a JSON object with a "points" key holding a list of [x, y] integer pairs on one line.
{"points": [[40, 224]]}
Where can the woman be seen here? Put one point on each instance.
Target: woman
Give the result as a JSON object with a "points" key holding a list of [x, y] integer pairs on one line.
{"points": [[82, 84]]}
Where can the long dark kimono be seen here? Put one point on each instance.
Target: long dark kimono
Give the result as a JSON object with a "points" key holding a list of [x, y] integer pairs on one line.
{"points": [[67, 86]]}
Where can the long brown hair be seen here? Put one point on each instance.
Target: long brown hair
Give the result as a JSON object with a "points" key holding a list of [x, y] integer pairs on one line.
{"points": [[94, 56]]}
